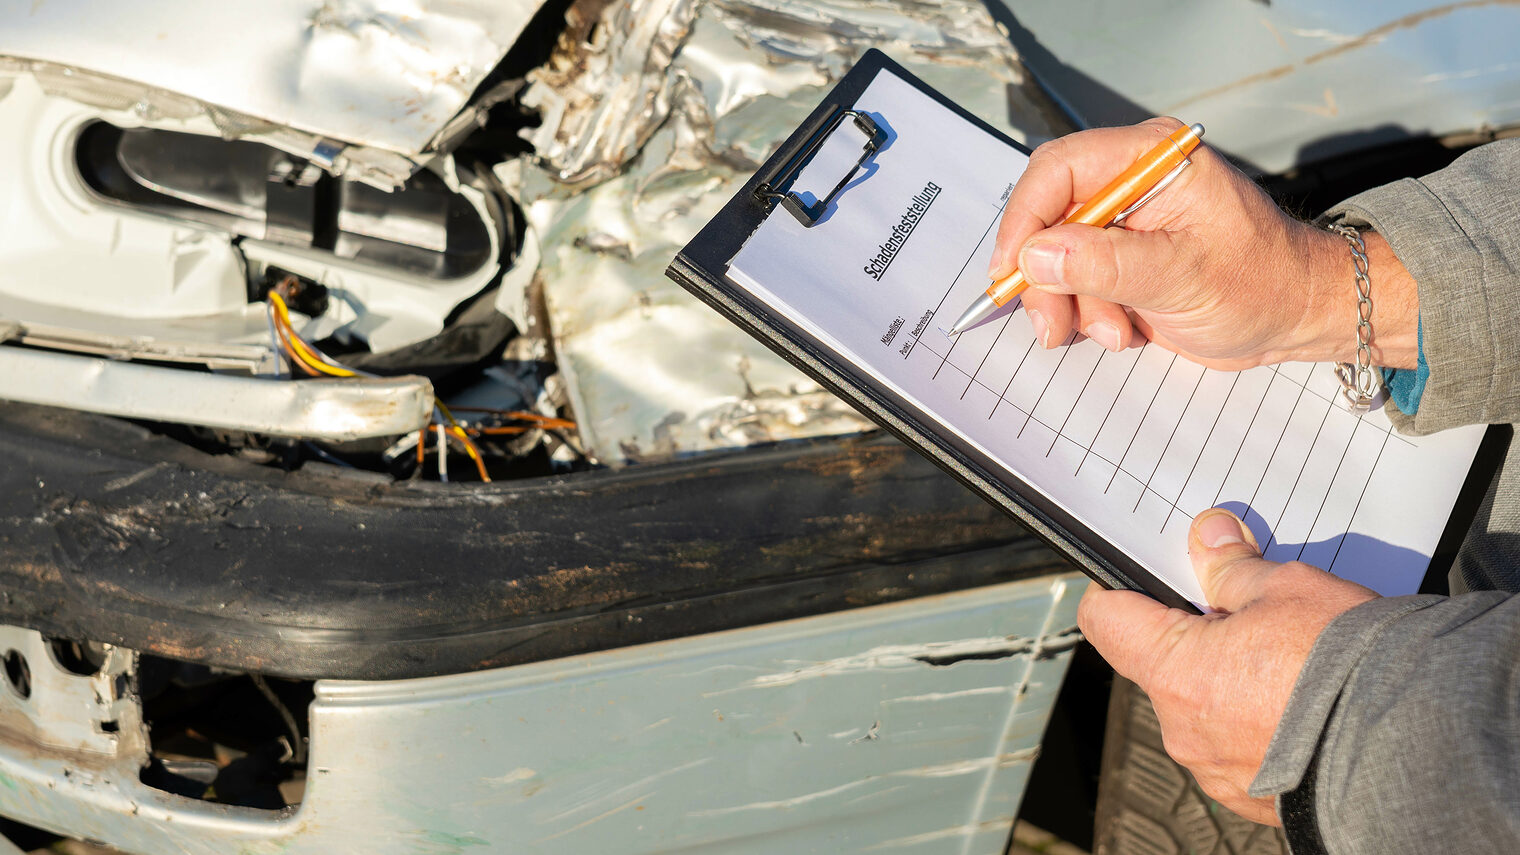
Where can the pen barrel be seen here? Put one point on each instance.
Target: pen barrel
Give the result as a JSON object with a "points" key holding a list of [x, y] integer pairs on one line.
{"points": [[1136, 181], [1004, 290]]}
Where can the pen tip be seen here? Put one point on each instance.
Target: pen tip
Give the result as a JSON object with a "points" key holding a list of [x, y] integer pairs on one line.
{"points": [[1197, 129], [952, 331]]}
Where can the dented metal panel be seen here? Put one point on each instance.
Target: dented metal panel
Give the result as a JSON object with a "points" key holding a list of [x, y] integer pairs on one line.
{"points": [[336, 409], [1282, 83], [902, 728], [384, 73], [655, 113], [90, 716]]}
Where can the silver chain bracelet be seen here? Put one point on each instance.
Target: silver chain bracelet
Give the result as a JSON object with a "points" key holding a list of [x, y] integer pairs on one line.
{"points": [[1359, 383]]}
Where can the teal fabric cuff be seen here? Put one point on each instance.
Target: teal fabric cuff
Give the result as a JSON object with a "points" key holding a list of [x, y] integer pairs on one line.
{"points": [[1405, 386]]}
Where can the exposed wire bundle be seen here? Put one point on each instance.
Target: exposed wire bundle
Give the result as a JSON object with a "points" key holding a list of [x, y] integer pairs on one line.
{"points": [[315, 363], [301, 355]]}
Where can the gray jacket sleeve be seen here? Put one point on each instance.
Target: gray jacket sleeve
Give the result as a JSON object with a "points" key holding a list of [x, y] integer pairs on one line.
{"points": [[1458, 232], [1403, 731], [1402, 734]]}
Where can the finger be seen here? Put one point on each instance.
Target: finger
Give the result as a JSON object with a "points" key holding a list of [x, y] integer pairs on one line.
{"points": [[1103, 322], [1066, 172], [1132, 631], [1050, 316], [1227, 560], [1131, 268]]}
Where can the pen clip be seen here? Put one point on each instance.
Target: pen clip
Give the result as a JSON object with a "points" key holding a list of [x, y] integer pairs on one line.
{"points": [[1119, 218]]}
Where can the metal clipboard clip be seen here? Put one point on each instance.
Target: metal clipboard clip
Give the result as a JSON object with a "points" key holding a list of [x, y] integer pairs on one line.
{"points": [[777, 187]]}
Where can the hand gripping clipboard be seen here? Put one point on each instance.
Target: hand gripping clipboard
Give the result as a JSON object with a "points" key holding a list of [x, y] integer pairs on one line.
{"points": [[702, 268]]}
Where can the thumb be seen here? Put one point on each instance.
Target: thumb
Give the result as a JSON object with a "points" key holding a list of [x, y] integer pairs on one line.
{"points": [[1227, 559], [1117, 265]]}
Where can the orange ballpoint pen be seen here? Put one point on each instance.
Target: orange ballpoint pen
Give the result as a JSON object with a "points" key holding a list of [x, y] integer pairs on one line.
{"points": [[1111, 205]]}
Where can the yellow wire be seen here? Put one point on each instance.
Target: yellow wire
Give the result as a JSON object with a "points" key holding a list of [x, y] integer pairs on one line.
{"points": [[283, 337], [309, 355], [469, 447]]}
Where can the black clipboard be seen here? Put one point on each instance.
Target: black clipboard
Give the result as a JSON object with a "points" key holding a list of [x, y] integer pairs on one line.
{"points": [[701, 268]]}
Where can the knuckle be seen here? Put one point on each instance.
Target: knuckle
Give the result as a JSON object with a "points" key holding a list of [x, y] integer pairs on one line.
{"points": [[1053, 149], [1103, 266], [1166, 123], [1220, 789], [1181, 749], [1045, 156], [1292, 576]]}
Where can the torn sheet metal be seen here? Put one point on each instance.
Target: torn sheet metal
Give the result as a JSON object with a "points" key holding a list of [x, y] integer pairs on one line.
{"points": [[653, 372], [93, 716], [337, 410], [1285, 83], [612, 63], [382, 73]]}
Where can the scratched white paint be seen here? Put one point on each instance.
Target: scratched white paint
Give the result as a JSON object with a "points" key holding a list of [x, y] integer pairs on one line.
{"points": [[563, 756], [889, 657], [952, 833], [779, 804], [1324, 35], [935, 697], [512, 777]]}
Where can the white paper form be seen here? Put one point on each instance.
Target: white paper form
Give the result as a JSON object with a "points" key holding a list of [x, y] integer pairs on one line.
{"points": [[1132, 444]]}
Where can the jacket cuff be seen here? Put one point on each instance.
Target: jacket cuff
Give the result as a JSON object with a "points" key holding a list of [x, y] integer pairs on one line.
{"points": [[1335, 654]]}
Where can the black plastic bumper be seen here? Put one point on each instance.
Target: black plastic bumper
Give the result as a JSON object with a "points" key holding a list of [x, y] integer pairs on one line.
{"points": [[111, 533]]}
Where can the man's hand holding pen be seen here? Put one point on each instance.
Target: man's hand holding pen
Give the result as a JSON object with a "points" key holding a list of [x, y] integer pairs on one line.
{"points": [[1211, 269]]}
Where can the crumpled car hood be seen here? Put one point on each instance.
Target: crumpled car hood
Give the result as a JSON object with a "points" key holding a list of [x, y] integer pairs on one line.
{"points": [[383, 73]]}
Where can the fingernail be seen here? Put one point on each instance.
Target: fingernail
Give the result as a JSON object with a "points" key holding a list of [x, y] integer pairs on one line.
{"points": [[1041, 329], [996, 269], [1106, 335], [1220, 528], [1042, 263]]}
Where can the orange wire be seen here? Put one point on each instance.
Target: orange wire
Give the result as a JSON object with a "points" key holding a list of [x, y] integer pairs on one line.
{"points": [[523, 415], [472, 450], [291, 354], [311, 361]]}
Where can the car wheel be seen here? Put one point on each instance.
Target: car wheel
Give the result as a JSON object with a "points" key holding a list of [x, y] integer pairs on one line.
{"points": [[1149, 805]]}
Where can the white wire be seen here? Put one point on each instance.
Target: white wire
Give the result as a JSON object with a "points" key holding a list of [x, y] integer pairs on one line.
{"points": [[274, 343]]}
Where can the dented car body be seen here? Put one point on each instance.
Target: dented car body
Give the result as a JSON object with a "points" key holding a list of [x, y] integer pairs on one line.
{"points": [[700, 605], [544, 555]]}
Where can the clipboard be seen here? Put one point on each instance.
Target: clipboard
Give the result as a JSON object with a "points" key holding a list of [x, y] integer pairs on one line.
{"points": [[701, 267]]}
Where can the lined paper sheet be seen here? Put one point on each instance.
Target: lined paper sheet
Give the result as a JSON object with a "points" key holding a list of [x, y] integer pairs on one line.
{"points": [[1132, 444]]}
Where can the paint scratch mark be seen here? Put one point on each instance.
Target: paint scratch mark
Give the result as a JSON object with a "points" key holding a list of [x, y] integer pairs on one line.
{"points": [[1372, 36], [595, 819]]}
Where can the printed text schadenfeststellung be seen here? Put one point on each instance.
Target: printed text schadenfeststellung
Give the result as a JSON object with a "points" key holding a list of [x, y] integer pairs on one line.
{"points": [[900, 232]]}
